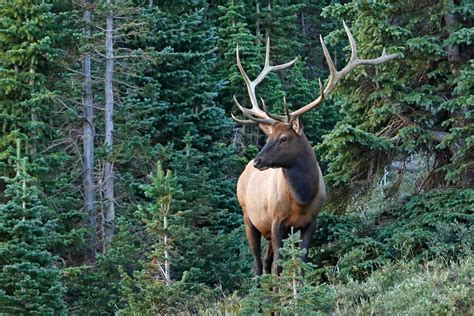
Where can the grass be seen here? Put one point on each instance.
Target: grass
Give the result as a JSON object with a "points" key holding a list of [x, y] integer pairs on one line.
{"points": [[434, 288]]}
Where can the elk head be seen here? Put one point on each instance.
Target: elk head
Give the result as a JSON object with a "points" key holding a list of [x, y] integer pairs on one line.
{"points": [[285, 143], [285, 137]]}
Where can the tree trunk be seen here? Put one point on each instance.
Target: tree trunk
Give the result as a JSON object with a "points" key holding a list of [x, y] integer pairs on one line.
{"points": [[34, 117], [21, 170], [88, 143], [165, 244], [257, 26], [109, 127], [303, 24], [453, 51]]}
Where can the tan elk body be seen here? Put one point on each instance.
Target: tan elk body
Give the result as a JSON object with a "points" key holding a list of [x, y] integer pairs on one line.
{"points": [[283, 186]]}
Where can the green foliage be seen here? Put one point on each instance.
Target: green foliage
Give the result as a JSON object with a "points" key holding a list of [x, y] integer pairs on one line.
{"points": [[416, 105], [147, 295], [173, 83], [461, 129], [28, 48], [408, 259], [188, 132], [289, 293], [153, 289], [29, 278], [409, 288], [354, 245]]}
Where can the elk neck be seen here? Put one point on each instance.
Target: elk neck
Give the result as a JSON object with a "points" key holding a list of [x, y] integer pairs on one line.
{"points": [[302, 176]]}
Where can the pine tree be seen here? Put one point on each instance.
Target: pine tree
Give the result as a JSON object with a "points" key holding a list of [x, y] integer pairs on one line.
{"points": [[28, 48], [157, 220], [33, 39], [167, 112], [154, 286], [292, 292], [188, 132], [234, 30], [403, 109], [30, 281]]}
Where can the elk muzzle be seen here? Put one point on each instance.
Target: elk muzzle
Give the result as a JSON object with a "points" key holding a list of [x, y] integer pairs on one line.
{"points": [[259, 164], [266, 156]]}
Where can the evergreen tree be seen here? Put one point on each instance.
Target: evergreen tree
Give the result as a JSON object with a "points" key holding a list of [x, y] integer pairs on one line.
{"points": [[291, 292], [28, 48], [234, 31], [29, 280], [33, 39], [167, 112], [157, 218], [390, 118], [154, 287], [173, 80]]}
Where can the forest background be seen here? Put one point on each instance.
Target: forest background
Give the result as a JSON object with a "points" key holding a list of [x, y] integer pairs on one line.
{"points": [[119, 159]]}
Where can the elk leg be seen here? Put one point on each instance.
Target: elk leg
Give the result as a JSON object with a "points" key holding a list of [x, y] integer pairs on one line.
{"points": [[306, 234], [277, 242], [253, 237], [268, 258]]}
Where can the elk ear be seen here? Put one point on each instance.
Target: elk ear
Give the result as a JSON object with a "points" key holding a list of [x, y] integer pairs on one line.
{"points": [[297, 126], [266, 128]]}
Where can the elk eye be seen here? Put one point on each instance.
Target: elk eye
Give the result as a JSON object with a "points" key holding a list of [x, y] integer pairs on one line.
{"points": [[283, 139]]}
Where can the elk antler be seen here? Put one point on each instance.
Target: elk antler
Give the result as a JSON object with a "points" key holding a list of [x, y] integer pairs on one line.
{"points": [[334, 77], [256, 114]]}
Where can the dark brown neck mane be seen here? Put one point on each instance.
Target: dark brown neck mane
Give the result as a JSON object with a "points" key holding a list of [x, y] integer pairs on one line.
{"points": [[302, 176]]}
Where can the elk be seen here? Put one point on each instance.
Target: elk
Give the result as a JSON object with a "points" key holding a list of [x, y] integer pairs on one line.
{"points": [[283, 186]]}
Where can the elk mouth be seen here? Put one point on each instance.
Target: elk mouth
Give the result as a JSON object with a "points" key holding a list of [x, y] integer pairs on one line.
{"points": [[260, 165]]}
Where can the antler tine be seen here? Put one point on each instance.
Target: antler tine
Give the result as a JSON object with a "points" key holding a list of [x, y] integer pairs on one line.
{"points": [[321, 89], [355, 61], [267, 68], [240, 120], [249, 84], [249, 114], [335, 76], [287, 113], [351, 41], [245, 111], [273, 116], [332, 68], [256, 111]]}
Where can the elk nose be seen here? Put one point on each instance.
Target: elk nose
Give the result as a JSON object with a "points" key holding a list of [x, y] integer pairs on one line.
{"points": [[257, 162]]}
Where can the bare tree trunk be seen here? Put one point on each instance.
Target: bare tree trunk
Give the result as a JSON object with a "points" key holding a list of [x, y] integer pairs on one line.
{"points": [[453, 51], [165, 244], [88, 142], [294, 285], [303, 23], [21, 170], [109, 127], [257, 27], [34, 117], [18, 157]]}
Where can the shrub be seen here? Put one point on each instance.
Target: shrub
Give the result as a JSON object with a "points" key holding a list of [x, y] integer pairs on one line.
{"points": [[434, 288]]}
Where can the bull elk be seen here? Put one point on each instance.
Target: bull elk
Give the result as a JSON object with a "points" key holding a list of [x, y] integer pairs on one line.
{"points": [[283, 186]]}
